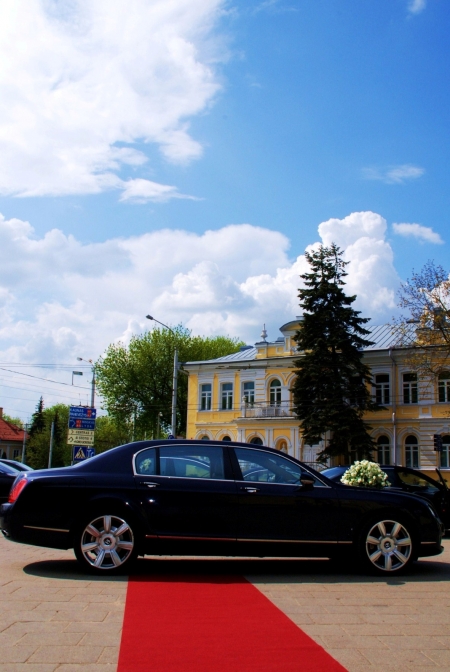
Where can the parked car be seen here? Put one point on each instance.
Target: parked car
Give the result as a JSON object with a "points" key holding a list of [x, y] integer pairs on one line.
{"points": [[20, 466], [412, 481], [7, 477], [204, 498]]}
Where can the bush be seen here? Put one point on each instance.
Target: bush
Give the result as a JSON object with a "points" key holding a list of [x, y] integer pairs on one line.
{"points": [[365, 474]]}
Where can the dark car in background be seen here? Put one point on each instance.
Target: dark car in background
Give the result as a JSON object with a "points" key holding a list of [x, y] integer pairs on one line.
{"points": [[15, 464], [184, 497], [7, 477], [412, 481]]}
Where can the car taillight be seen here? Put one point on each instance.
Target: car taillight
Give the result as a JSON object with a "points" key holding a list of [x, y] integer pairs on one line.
{"points": [[17, 488]]}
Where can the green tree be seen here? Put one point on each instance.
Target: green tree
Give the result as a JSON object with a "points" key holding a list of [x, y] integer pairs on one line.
{"points": [[38, 446], [109, 433], [331, 391], [13, 421], [37, 419], [136, 380]]}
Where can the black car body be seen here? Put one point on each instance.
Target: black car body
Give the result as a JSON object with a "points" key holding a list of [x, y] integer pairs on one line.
{"points": [[7, 477], [413, 481], [205, 498]]}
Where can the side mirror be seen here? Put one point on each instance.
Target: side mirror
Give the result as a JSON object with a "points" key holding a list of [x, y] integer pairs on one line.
{"points": [[307, 481]]}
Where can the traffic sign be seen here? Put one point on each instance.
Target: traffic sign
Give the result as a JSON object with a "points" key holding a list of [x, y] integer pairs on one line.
{"points": [[82, 412], [80, 437], [82, 453], [171, 436], [82, 423]]}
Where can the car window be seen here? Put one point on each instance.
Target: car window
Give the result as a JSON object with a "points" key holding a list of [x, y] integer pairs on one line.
{"points": [[145, 462], [259, 466], [412, 479], [198, 461]]}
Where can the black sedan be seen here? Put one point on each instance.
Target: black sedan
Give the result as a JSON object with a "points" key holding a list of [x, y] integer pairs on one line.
{"points": [[412, 481], [15, 464], [7, 477], [204, 498]]}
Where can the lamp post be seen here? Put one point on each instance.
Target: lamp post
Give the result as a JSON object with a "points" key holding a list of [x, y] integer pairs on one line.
{"points": [[89, 361], [175, 378]]}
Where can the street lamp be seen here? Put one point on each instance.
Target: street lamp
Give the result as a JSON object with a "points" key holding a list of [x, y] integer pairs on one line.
{"points": [[175, 378], [89, 361]]}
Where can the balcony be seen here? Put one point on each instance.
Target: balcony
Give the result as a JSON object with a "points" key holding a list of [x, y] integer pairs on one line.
{"points": [[264, 409]]}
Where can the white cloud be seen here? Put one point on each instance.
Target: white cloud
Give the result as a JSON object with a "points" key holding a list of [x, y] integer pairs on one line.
{"points": [[417, 6], [142, 191], [60, 299], [425, 233], [394, 174], [82, 82]]}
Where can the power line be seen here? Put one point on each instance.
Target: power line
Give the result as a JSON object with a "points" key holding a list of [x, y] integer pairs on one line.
{"points": [[29, 375]]}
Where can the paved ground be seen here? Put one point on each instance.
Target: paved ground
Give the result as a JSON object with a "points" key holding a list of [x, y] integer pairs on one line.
{"points": [[54, 617]]}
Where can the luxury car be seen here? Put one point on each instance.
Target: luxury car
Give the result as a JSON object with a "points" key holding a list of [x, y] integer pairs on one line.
{"points": [[7, 477], [204, 498], [15, 464], [412, 481]]}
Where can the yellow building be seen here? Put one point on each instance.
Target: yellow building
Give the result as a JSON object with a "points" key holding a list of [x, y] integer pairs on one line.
{"points": [[247, 397]]}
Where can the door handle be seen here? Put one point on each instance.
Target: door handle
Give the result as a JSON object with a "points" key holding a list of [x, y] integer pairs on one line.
{"points": [[251, 490], [151, 485]]}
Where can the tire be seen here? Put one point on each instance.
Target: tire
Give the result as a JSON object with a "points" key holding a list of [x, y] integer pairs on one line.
{"points": [[387, 546], [106, 544]]}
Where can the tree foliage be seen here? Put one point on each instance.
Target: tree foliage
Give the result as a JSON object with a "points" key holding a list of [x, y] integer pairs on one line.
{"points": [[38, 445], [331, 392], [426, 330], [136, 380]]}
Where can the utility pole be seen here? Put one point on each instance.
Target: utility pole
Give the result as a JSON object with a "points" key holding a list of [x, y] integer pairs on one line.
{"points": [[25, 427], [50, 452], [89, 361]]}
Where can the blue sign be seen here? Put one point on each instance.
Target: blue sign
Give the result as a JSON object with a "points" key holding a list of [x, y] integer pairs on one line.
{"points": [[82, 412], [81, 453], [171, 436], [81, 423]]}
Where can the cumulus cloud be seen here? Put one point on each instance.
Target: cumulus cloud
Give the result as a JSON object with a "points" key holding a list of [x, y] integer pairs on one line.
{"points": [[416, 6], [424, 233], [82, 83], [394, 174]]}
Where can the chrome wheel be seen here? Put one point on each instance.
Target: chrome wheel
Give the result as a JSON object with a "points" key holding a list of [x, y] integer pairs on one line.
{"points": [[107, 542], [389, 546]]}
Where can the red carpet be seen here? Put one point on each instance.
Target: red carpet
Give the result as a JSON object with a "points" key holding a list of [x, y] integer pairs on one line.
{"points": [[195, 624]]}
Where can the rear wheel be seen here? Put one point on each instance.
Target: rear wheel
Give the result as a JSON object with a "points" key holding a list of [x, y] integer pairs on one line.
{"points": [[106, 544], [386, 546]]}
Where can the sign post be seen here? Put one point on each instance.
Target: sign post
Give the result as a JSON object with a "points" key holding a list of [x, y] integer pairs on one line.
{"points": [[81, 432]]}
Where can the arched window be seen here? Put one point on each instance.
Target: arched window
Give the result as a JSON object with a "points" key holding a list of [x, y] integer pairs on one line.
{"points": [[257, 441], [275, 393], [226, 438], [383, 450], [411, 452], [282, 446], [445, 454], [204, 438], [444, 386]]}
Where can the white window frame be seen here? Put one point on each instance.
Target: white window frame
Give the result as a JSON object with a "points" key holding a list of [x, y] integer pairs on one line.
{"points": [[383, 390], [275, 392], [226, 396], [444, 386], [414, 453], [248, 395], [410, 388]]}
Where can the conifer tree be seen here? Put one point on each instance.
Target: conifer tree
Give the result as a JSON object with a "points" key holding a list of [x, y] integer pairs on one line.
{"points": [[37, 419], [331, 391]]}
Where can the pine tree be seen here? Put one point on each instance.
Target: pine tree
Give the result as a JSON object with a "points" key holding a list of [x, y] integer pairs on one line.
{"points": [[38, 419], [331, 391]]}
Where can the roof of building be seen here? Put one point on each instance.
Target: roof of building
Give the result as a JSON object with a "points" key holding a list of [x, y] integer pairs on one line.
{"points": [[384, 337], [10, 432]]}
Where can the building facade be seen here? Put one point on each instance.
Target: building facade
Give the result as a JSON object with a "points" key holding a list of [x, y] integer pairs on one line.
{"points": [[11, 439], [247, 397]]}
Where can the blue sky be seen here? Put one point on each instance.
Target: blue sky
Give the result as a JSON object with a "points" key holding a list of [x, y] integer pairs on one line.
{"points": [[178, 158]]}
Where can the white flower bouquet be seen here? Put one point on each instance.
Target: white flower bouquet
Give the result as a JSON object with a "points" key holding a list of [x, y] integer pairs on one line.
{"points": [[365, 474]]}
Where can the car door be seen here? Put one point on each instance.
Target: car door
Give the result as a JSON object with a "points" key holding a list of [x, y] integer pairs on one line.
{"points": [[275, 507], [189, 490]]}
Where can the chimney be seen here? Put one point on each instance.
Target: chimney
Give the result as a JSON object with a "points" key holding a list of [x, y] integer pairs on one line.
{"points": [[1, 413]]}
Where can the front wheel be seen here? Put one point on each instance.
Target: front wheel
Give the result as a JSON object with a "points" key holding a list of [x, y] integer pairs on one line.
{"points": [[386, 546], [106, 544]]}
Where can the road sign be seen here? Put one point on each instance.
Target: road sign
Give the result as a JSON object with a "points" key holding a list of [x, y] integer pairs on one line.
{"points": [[82, 453], [80, 437], [82, 412], [171, 436], [82, 423]]}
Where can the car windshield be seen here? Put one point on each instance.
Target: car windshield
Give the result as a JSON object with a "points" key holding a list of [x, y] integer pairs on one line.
{"points": [[416, 480]]}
